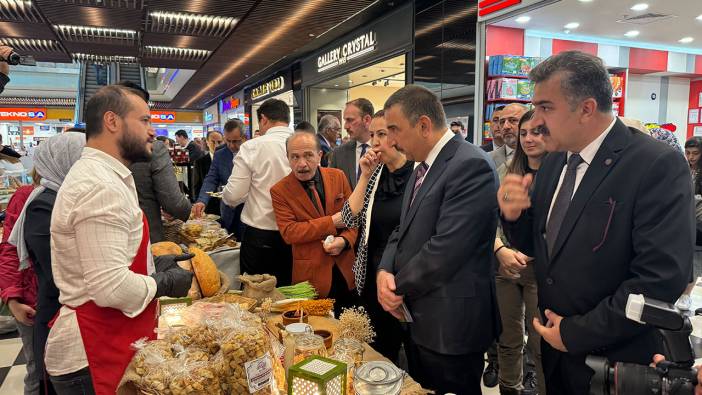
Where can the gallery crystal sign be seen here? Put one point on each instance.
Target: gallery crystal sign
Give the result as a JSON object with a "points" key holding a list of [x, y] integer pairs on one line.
{"points": [[275, 85], [355, 48]]}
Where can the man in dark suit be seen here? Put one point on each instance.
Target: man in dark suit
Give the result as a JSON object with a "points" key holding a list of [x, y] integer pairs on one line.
{"points": [[358, 115], [219, 172], [327, 133], [495, 131], [158, 189], [194, 151], [202, 167], [610, 215], [441, 273]]}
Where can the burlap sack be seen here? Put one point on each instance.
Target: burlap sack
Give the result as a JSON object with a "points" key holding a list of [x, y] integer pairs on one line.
{"points": [[260, 287]]}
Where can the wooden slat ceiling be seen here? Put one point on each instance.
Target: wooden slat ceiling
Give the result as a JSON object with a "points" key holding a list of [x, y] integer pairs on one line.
{"points": [[265, 31]]}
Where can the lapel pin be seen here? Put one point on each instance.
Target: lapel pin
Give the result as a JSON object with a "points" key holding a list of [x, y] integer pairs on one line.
{"points": [[608, 161]]}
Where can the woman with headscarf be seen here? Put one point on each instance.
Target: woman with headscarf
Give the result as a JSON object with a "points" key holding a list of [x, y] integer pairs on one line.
{"points": [[52, 161]]}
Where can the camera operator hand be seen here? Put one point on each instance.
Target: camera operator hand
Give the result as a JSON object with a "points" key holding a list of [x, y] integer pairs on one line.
{"points": [[4, 54], [658, 358]]}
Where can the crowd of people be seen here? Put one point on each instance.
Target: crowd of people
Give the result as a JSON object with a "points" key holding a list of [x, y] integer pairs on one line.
{"points": [[453, 249]]}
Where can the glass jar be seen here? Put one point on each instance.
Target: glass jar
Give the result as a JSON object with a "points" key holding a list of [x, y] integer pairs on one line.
{"points": [[350, 352], [378, 378], [307, 345]]}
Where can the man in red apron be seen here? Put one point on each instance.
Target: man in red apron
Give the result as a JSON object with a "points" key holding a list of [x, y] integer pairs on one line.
{"points": [[101, 258]]}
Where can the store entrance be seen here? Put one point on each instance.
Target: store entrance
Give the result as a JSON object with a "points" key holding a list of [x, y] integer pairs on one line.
{"points": [[375, 83]]}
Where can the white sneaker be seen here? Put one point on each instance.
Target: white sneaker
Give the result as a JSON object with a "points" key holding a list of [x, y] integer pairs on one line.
{"points": [[684, 302]]}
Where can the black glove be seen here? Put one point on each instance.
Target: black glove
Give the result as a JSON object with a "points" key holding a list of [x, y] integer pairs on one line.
{"points": [[174, 282], [165, 262]]}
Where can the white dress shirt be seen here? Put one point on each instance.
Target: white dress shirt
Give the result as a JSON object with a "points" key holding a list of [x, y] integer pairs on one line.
{"points": [[260, 164], [96, 229], [359, 147], [588, 154], [434, 153]]}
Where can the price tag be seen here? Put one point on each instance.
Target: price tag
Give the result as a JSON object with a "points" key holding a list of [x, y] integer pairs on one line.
{"points": [[259, 373]]}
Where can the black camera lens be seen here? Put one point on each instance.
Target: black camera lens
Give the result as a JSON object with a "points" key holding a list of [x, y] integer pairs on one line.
{"points": [[13, 59]]}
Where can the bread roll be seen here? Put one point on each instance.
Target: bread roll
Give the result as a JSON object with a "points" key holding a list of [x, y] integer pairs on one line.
{"points": [[166, 248], [206, 272]]}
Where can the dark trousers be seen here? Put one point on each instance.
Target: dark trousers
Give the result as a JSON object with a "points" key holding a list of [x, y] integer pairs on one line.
{"points": [[492, 353], [457, 374], [389, 334], [265, 252], [76, 383], [340, 292]]}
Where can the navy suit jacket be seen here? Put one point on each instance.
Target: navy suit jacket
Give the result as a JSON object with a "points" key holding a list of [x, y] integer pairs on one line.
{"points": [[441, 253], [629, 229], [220, 170]]}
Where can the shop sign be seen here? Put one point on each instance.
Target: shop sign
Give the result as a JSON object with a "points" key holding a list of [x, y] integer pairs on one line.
{"points": [[355, 48], [163, 116], [211, 114], [390, 35], [229, 103], [487, 7], [275, 85], [22, 114]]}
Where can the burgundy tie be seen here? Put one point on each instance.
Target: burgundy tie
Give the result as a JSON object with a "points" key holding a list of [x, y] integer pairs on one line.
{"points": [[421, 172]]}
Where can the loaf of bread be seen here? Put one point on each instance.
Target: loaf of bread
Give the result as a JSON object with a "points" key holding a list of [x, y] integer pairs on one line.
{"points": [[170, 248], [206, 272], [166, 248]]}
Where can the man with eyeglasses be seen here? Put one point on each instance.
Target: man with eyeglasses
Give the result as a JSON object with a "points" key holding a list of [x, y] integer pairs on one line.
{"points": [[328, 128], [220, 170], [509, 125]]}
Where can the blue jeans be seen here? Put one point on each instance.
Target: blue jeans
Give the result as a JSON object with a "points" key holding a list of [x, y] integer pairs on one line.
{"points": [[76, 383]]}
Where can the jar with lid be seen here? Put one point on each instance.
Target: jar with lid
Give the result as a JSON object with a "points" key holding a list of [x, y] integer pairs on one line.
{"points": [[350, 352], [307, 345], [378, 378]]}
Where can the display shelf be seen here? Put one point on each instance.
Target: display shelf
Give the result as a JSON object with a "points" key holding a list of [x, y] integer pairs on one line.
{"points": [[508, 101], [519, 77]]}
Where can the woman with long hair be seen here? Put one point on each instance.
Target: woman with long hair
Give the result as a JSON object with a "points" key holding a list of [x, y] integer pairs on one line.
{"points": [[374, 208], [516, 281]]}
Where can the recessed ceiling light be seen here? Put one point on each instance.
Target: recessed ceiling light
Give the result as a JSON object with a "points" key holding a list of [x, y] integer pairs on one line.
{"points": [[639, 7], [686, 40], [311, 34], [572, 25], [632, 33], [336, 85], [699, 17], [586, 1], [523, 19]]}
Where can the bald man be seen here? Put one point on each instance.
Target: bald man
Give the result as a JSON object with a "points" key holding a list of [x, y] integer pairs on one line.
{"points": [[509, 126], [304, 203]]}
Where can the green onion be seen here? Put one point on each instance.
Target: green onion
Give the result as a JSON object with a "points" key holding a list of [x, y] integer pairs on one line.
{"points": [[303, 290]]}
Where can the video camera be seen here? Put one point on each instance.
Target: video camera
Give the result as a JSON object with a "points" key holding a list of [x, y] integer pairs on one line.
{"points": [[674, 376], [14, 59]]}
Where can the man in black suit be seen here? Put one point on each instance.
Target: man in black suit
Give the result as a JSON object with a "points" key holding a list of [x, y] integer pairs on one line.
{"points": [[433, 269], [194, 152], [610, 215], [201, 168], [358, 115]]}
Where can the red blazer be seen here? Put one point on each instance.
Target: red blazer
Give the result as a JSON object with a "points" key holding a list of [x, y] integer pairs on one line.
{"points": [[302, 227]]}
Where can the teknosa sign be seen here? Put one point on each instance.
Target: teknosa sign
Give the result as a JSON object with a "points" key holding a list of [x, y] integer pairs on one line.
{"points": [[22, 114], [487, 7], [162, 117]]}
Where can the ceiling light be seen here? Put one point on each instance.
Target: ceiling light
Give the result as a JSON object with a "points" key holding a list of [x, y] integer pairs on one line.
{"points": [[639, 7], [585, 1], [632, 33], [572, 25], [104, 58], [523, 19], [92, 33], [191, 24], [337, 85], [173, 52], [686, 40], [699, 17]]}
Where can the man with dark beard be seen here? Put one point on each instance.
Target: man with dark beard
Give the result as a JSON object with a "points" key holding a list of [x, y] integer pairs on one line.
{"points": [[101, 261]]}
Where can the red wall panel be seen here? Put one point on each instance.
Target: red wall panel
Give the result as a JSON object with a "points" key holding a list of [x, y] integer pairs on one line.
{"points": [[504, 41], [695, 90], [559, 46], [698, 64], [647, 60]]}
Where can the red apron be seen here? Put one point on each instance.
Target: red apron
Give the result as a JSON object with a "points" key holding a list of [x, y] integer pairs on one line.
{"points": [[107, 333]]}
